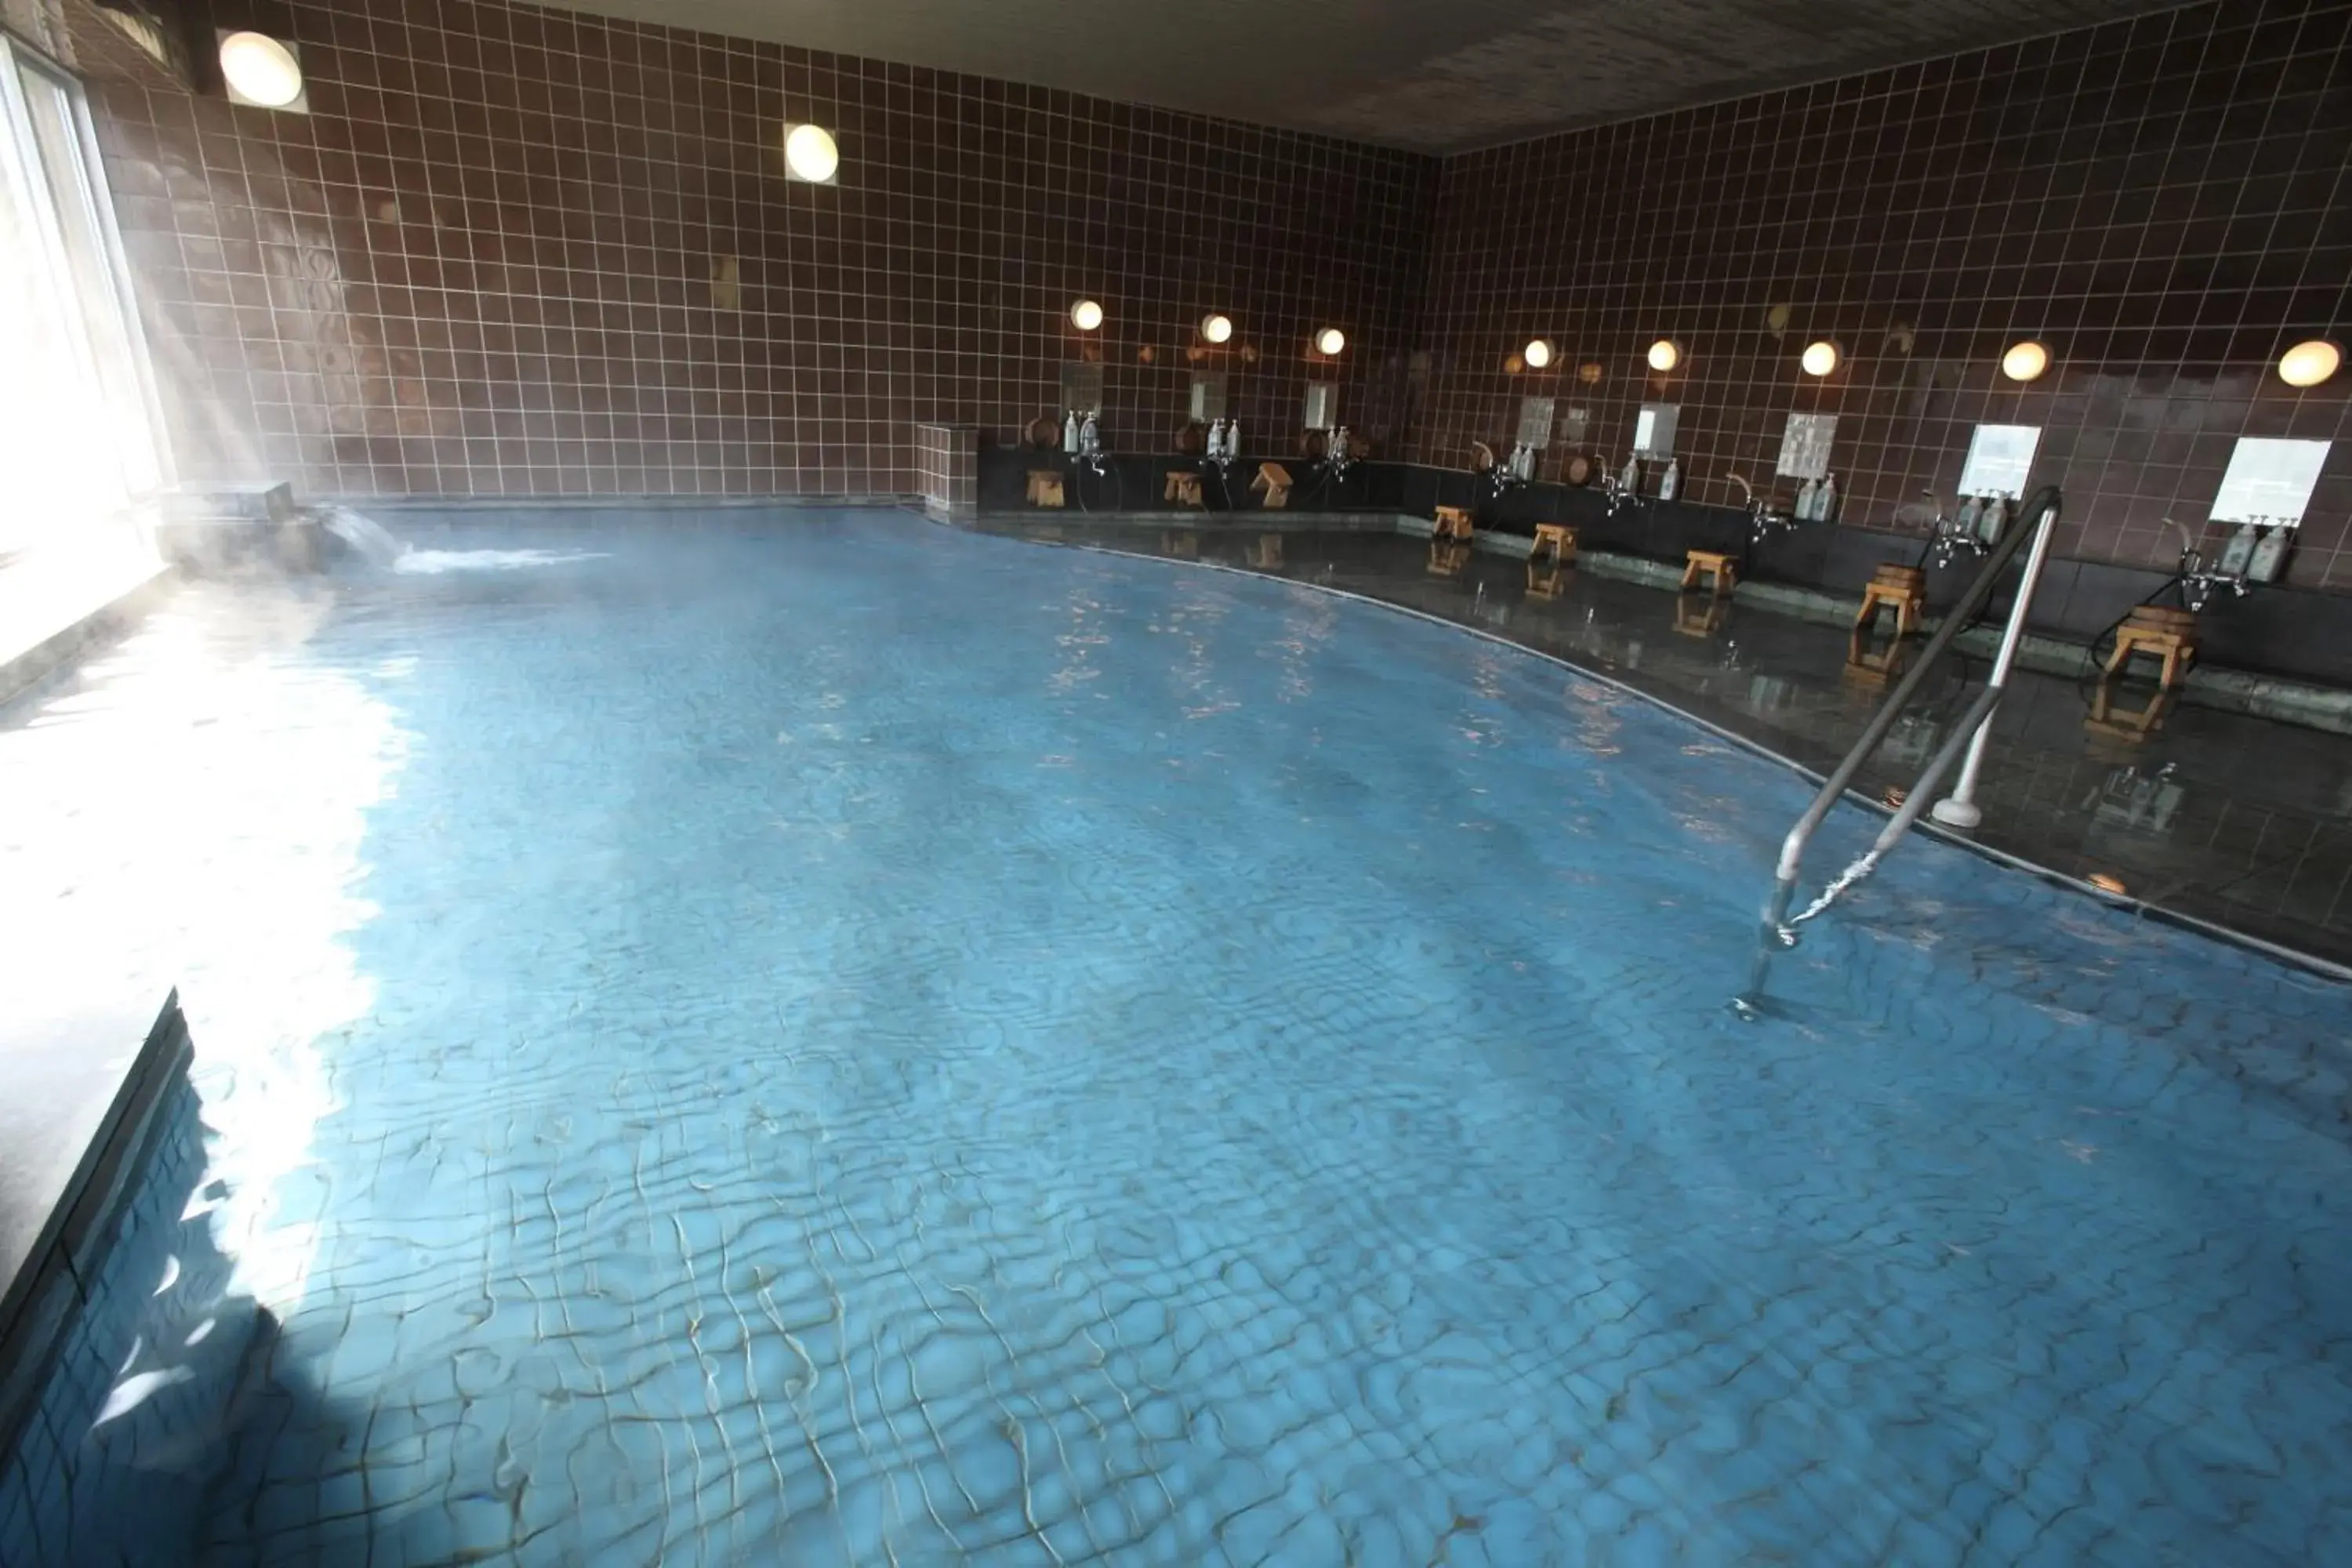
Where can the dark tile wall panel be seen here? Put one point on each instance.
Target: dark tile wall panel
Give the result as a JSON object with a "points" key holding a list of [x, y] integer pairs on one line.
{"points": [[520, 251], [2163, 202]]}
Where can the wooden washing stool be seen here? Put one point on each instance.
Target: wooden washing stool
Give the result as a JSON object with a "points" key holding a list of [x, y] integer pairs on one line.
{"points": [[1560, 538], [1044, 488], [2167, 635], [1696, 620], [1452, 522], [1722, 569], [1902, 588], [1183, 487], [1273, 482]]}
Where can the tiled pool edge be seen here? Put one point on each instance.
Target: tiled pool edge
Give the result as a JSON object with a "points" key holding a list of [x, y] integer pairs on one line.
{"points": [[53, 1287], [2312, 964], [61, 651], [154, 1358]]}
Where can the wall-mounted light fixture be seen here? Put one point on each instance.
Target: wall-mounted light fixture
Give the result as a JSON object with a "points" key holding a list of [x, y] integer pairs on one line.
{"points": [[260, 71], [1821, 357], [2024, 361], [1330, 342], [1216, 328], [2309, 364], [1086, 315], [811, 154], [1665, 354], [1590, 373], [1538, 354]]}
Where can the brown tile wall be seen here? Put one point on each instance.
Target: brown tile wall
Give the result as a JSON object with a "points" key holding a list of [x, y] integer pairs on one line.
{"points": [[2163, 202], [947, 466], [518, 251]]}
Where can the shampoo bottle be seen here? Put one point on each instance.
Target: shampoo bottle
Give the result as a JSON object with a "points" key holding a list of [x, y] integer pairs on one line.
{"points": [[2269, 555], [1671, 481], [1825, 503], [1964, 524], [1809, 497], [1632, 478], [1070, 431], [1994, 518], [2238, 556]]}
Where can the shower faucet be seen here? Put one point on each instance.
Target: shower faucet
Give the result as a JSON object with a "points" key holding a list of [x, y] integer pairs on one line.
{"points": [[1337, 457], [1512, 472], [1614, 487], [1762, 520], [1091, 451], [2198, 579]]}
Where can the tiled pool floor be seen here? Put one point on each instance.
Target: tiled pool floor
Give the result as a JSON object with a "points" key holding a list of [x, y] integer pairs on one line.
{"points": [[2241, 821], [851, 1042]]}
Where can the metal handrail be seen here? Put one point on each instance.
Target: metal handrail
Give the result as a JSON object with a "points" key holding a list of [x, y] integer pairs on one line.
{"points": [[2035, 521]]}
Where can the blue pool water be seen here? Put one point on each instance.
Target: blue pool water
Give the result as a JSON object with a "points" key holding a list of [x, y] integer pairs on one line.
{"points": [[845, 1042]]}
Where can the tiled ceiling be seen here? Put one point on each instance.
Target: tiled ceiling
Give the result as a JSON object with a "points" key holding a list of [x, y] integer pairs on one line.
{"points": [[1434, 75]]}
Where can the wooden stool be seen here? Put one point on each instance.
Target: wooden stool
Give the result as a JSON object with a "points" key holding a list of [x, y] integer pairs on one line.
{"points": [[1720, 568], [1905, 588], [2130, 726], [1268, 551], [1183, 487], [1872, 670], [2167, 635], [1561, 540], [1693, 620], [1452, 522], [1044, 488], [1273, 482]]}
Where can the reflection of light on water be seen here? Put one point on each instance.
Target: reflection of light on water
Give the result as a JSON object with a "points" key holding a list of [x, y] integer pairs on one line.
{"points": [[195, 819], [431, 562]]}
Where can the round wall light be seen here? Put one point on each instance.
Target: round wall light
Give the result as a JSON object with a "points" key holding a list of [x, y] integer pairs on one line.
{"points": [[1330, 341], [1590, 373], [811, 154], [1085, 315], [1821, 357], [1217, 329], [2309, 364], [1665, 353], [260, 71], [1538, 354], [2024, 361]]}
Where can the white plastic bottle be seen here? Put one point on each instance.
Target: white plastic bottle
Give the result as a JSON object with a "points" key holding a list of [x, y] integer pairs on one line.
{"points": [[2269, 555], [1671, 481], [1070, 431], [1632, 478], [1232, 437], [1825, 503], [1965, 524], [1995, 518], [1807, 497], [2239, 554]]}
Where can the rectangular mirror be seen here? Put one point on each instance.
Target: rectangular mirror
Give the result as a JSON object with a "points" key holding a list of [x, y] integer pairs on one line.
{"points": [[1322, 410], [2269, 480], [1208, 395], [1081, 387], [1535, 422], [2000, 456], [1654, 429], [1805, 445]]}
